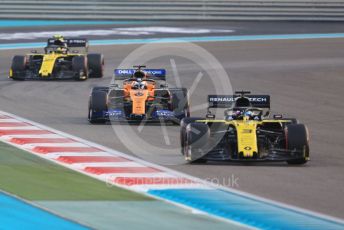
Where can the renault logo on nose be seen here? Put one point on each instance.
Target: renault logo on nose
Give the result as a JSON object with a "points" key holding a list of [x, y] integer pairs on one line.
{"points": [[247, 148]]}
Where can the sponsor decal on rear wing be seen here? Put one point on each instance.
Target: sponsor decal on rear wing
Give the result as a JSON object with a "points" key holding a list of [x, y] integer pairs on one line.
{"points": [[228, 101], [156, 74], [71, 42]]}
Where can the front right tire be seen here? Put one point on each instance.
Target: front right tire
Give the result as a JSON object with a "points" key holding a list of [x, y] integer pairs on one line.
{"points": [[79, 66], [18, 67], [183, 123], [97, 104], [180, 103], [196, 139], [95, 65], [297, 140]]}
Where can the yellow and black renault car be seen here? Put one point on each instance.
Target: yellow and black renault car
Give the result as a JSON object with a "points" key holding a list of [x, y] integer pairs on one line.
{"points": [[247, 133], [63, 58]]}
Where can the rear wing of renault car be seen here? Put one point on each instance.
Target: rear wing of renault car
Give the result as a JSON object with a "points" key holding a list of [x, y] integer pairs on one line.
{"points": [[71, 42], [228, 101]]}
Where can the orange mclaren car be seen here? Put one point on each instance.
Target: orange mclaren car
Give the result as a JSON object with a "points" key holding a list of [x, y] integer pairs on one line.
{"points": [[139, 94]]}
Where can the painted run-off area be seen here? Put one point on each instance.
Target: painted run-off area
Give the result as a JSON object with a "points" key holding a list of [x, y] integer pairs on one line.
{"points": [[87, 200]]}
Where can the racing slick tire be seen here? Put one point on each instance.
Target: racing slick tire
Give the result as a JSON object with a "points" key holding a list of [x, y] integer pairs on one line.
{"points": [[18, 67], [183, 123], [95, 65], [197, 136], [97, 103], [100, 88], [180, 103], [79, 65], [293, 120], [297, 139]]}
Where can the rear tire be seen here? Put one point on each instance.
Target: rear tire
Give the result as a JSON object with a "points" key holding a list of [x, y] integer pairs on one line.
{"points": [[297, 139], [79, 66], [97, 104], [18, 67], [95, 65], [293, 120], [197, 135]]}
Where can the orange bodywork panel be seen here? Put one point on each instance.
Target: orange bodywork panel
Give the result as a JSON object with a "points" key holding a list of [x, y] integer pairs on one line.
{"points": [[139, 96]]}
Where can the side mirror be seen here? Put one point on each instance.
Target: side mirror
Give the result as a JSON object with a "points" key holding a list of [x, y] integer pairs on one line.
{"points": [[210, 116], [34, 51], [278, 116]]}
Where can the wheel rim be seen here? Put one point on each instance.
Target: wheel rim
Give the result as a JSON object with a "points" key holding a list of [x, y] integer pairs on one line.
{"points": [[103, 65], [186, 152], [89, 114], [186, 149]]}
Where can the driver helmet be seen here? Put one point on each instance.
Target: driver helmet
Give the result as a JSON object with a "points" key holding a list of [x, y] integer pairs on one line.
{"points": [[58, 37], [60, 50], [139, 74], [59, 40], [138, 85], [248, 113], [237, 113]]}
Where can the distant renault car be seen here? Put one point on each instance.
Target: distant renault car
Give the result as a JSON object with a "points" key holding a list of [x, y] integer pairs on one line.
{"points": [[138, 94], [245, 134], [63, 58]]}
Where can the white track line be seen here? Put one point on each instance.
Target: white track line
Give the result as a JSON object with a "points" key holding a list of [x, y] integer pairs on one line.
{"points": [[70, 144], [106, 164], [9, 120], [61, 154], [19, 128], [31, 136], [148, 175]]}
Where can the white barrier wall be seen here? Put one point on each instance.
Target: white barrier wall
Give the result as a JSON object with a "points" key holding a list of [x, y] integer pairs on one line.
{"points": [[325, 10]]}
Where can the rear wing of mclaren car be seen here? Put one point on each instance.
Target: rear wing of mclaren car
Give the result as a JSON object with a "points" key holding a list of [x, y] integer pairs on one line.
{"points": [[228, 101], [155, 74]]}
